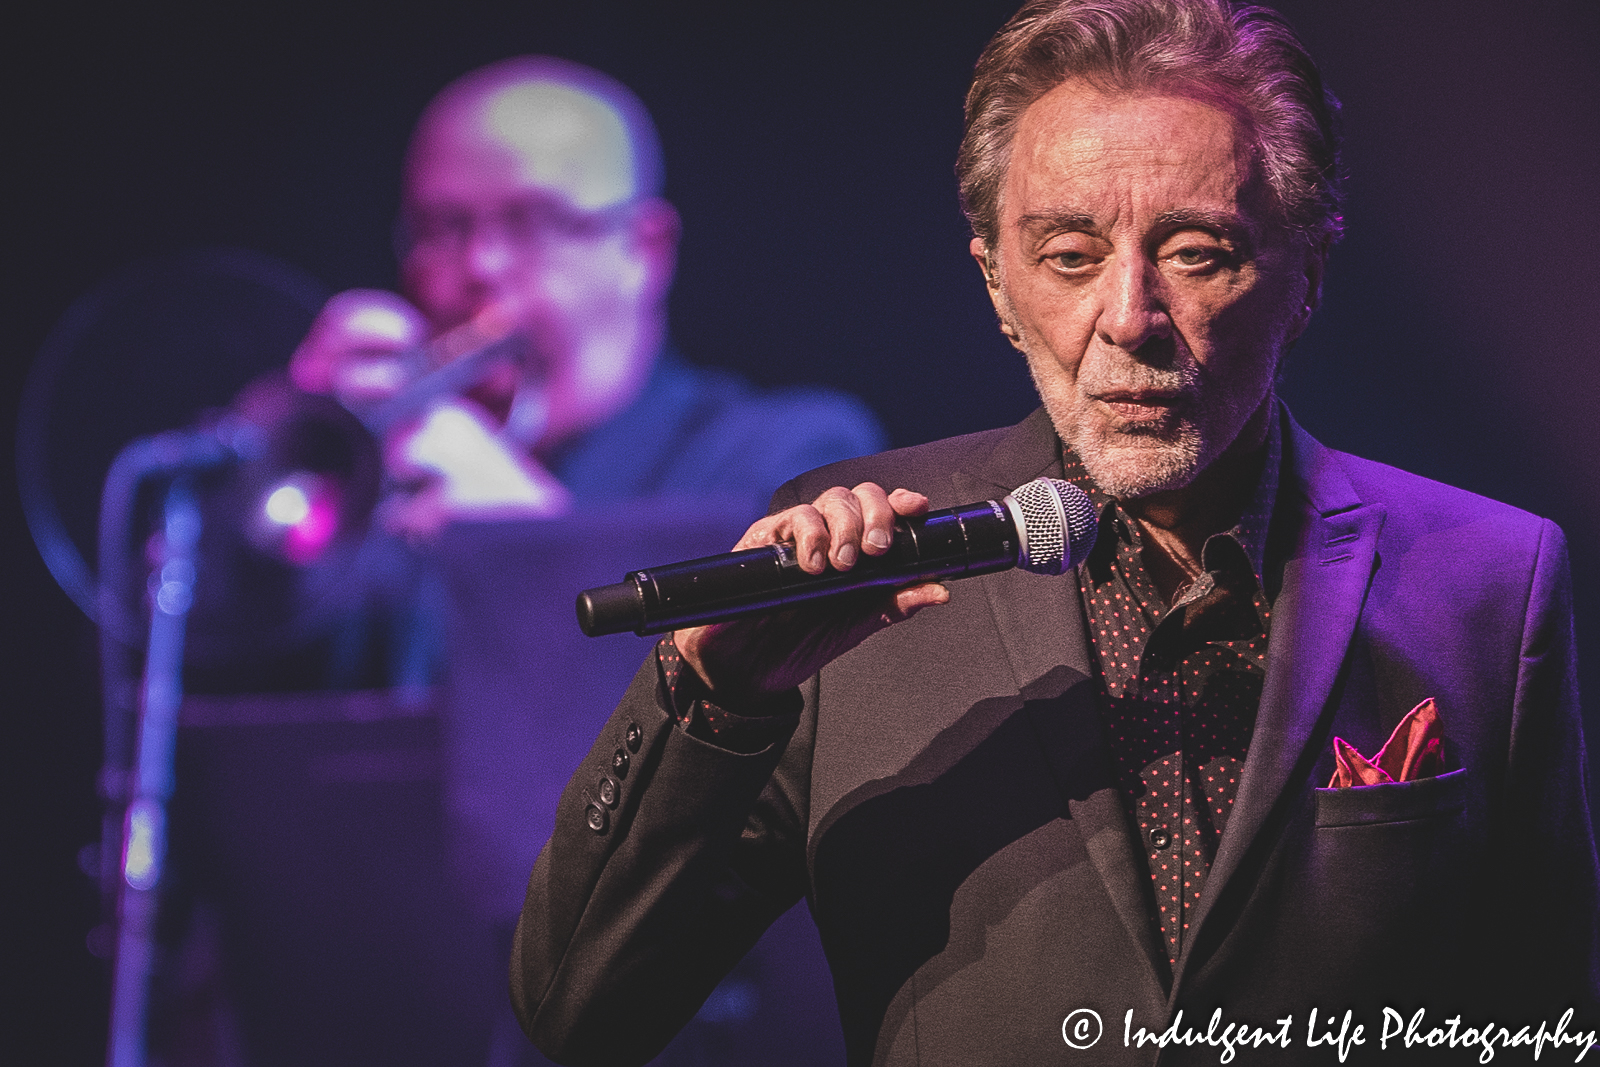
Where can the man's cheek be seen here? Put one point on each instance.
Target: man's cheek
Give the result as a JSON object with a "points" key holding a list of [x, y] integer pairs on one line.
{"points": [[1234, 339], [440, 297]]}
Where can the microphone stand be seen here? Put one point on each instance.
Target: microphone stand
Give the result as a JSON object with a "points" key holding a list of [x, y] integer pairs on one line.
{"points": [[140, 775], [137, 775]]}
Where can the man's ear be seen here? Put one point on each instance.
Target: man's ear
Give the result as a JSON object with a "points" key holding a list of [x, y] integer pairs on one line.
{"points": [[980, 252], [991, 280], [656, 228], [1316, 259]]}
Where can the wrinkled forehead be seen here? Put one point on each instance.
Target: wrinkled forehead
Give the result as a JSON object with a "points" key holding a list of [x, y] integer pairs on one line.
{"points": [[528, 136]]}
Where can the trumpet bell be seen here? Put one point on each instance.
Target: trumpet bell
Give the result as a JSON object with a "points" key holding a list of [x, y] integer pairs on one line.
{"points": [[282, 526]]}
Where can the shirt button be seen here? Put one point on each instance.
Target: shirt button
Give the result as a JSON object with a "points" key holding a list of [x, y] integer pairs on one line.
{"points": [[633, 737], [619, 763], [1160, 838], [597, 818], [608, 791]]}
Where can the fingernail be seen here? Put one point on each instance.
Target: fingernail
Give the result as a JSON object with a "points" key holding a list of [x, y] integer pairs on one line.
{"points": [[818, 560], [847, 555], [878, 538]]}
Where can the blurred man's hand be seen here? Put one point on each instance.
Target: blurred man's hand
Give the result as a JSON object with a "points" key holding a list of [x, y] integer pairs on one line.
{"points": [[353, 350], [451, 463], [454, 464]]}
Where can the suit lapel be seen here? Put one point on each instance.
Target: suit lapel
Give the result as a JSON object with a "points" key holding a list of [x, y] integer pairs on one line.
{"points": [[1040, 622], [1327, 570]]}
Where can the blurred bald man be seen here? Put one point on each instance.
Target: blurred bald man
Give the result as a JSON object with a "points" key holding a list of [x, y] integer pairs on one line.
{"points": [[532, 193], [544, 194], [531, 205]]}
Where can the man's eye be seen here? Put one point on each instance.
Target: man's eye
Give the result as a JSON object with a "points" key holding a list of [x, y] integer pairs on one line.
{"points": [[1200, 257], [440, 229], [1069, 260]]}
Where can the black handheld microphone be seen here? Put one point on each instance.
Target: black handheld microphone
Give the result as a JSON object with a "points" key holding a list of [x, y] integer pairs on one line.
{"points": [[1046, 526]]}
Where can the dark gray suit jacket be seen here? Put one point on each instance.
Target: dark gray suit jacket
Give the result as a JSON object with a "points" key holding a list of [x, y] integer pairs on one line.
{"points": [[946, 806]]}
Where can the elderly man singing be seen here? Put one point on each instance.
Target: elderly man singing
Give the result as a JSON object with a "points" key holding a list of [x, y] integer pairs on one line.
{"points": [[1270, 751]]}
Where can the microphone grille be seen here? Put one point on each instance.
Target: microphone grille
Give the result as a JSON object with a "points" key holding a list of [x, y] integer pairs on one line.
{"points": [[1056, 523]]}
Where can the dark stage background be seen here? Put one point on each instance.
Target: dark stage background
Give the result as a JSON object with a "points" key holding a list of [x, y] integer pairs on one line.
{"points": [[809, 148]]}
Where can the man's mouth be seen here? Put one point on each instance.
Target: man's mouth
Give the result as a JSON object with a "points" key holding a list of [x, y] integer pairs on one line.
{"points": [[1141, 406]]}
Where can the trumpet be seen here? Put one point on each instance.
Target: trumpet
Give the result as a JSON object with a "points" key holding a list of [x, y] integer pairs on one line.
{"points": [[287, 482]]}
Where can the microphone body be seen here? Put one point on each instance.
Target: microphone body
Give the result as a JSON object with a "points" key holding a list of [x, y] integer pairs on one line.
{"points": [[1046, 526]]}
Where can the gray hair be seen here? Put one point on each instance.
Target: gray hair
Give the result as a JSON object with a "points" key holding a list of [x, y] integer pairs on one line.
{"points": [[1245, 59]]}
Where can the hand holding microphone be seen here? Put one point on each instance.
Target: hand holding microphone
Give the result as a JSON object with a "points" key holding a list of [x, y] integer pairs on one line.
{"points": [[807, 584]]}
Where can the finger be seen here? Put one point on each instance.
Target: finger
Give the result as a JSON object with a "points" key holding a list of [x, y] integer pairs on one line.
{"points": [[354, 327], [842, 510], [761, 532], [913, 598], [831, 635], [808, 531], [772, 530], [802, 526], [909, 504], [877, 518], [897, 607]]}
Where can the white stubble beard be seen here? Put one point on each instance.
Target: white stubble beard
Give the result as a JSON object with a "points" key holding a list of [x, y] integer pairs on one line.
{"points": [[1128, 462], [1124, 463]]}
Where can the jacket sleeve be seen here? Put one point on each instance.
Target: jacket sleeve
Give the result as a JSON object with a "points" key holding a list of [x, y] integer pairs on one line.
{"points": [[1549, 936], [638, 907]]}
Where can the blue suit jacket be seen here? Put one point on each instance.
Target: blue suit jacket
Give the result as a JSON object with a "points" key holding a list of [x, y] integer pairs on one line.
{"points": [[945, 803]]}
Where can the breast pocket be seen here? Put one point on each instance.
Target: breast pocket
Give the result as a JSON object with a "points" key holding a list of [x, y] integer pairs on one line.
{"points": [[1393, 802], [1388, 874]]}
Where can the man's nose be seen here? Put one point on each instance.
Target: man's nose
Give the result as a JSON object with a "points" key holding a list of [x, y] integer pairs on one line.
{"points": [[489, 254], [1133, 309]]}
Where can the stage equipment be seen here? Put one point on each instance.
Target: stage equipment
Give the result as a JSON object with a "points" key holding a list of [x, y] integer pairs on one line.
{"points": [[287, 483], [234, 538], [265, 508]]}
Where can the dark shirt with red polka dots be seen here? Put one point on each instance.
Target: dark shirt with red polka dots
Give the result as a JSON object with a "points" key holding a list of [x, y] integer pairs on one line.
{"points": [[1180, 685]]}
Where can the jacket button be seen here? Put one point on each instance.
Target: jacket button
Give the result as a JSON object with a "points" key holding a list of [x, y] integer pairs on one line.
{"points": [[619, 763], [633, 737], [597, 818], [1160, 838], [608, 791]]}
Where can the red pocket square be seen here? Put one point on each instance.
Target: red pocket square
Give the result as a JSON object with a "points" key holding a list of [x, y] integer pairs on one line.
{"points": [[1415, 750]]}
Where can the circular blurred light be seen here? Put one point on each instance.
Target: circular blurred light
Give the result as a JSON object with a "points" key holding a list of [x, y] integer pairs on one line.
{"points": [[287, 505], [174, 598]]}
